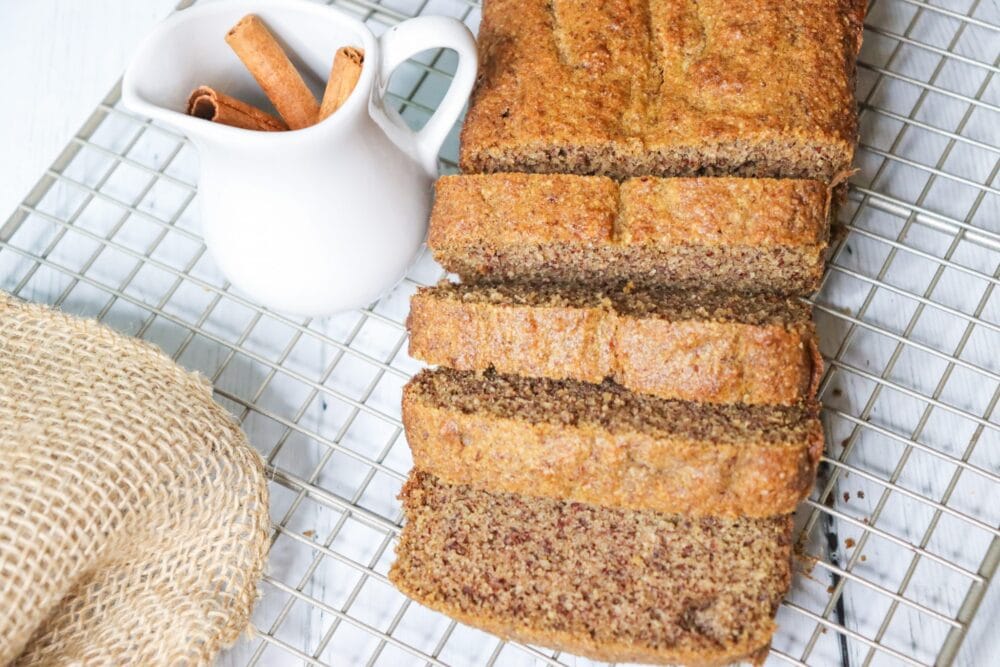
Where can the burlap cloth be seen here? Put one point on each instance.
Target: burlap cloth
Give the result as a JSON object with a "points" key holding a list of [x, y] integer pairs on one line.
{"points": [[133, 514]]}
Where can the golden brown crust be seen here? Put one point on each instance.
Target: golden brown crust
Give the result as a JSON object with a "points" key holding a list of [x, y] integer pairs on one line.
{"points": [[681, 470], [712, 361], [690, 359], [538, 342], [724, 211], [674, 87], [731, 233], [612, 585], [513, 209]]}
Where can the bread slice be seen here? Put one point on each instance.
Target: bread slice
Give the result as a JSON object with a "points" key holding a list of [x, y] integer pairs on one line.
{"points": [[604, 445], [723, 233], [671, 88], [693, 346], [608, 584]]}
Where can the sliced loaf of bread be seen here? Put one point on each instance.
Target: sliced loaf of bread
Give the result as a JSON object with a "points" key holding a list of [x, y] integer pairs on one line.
{"points": [[725, 233], [608, 584], [694, 346], [604, 445]]}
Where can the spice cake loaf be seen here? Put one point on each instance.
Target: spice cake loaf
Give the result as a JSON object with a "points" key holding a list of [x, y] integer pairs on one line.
{"points": [[728, 233], [716, 347], [608, 584], [604, 445], [669, 88]]}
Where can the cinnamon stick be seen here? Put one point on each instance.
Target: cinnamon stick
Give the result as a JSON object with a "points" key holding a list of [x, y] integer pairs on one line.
{"points": [[210, 104], [344, 76], [277, 76]]}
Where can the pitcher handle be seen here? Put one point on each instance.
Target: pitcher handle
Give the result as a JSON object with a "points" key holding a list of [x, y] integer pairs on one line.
{"points": [[420, 34]]}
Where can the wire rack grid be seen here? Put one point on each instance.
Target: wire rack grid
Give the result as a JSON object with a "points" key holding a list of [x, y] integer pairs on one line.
{"points": [[898, 541]]}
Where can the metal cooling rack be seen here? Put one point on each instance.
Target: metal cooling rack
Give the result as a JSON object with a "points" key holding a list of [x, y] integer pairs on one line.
{"points": [[900, 537]]}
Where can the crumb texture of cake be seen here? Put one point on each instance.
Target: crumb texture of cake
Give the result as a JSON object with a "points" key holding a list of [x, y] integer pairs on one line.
{"points": [[726, 233], [608, 584], [669, 88], [696, 346], [604, 445]]}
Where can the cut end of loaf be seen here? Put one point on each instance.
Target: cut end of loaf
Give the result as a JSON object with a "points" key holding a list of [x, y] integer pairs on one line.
{"points": [[604, 445], [612, 408], [607, 584], [775, 158], [675, 305]]}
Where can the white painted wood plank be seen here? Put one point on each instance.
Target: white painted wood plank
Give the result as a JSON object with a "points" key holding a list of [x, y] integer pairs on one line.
{"points": [[60, 59]]}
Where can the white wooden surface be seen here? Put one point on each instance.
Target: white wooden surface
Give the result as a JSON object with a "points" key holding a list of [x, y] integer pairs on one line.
{"points": [[61, 57]]}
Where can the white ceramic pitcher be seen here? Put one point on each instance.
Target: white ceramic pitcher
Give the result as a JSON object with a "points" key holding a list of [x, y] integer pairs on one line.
{"points": [[321, 219]]}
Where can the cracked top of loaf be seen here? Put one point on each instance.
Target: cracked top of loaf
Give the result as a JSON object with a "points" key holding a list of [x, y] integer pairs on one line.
{"points": [[666, 87]]}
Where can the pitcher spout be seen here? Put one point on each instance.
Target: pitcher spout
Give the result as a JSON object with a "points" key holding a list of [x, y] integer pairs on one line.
{"points": [[201, 133], [169, 64]]}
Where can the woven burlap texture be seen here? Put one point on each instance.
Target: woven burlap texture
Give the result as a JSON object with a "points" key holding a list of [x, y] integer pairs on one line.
{"points": [[133, 513]]}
